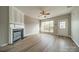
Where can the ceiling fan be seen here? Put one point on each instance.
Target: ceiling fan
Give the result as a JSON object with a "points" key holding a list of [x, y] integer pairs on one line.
{"points": [[43, 12]]}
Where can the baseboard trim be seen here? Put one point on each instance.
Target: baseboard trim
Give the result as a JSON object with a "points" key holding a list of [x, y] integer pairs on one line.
{"points": [[29, 34], [75, 42], [4, 45]]}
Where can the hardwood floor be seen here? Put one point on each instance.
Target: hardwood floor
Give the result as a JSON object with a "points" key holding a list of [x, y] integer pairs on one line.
{"points": [[42, 43]]}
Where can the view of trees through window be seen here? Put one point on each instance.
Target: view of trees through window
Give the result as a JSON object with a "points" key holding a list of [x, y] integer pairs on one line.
{"points": [[47, 26]]}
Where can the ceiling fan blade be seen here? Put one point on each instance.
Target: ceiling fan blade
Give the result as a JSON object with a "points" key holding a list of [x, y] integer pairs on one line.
{"points": [[46, 13]]}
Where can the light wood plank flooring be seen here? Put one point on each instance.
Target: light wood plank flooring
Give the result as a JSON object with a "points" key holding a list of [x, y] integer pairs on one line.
{"points": [[42, 43]]}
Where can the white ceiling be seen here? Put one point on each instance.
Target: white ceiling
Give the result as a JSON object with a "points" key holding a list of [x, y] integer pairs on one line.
{"points": [[34, 11]]}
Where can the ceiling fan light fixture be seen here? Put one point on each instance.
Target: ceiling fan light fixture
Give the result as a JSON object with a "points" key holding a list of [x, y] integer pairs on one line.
{"points": [[44, 14]]}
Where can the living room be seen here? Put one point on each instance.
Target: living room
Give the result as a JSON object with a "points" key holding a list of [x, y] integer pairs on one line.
{"points": [[39, 28]]}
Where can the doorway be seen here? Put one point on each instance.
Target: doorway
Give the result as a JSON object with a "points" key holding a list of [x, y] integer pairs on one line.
{"points": [[47, 26]]}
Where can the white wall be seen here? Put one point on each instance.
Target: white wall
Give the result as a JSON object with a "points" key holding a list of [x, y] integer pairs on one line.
{"points": [[4, 23], [75, 25], [31, 26]]}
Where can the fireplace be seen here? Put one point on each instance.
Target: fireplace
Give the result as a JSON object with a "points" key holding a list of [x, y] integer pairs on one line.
{"points": [[17, 34]]}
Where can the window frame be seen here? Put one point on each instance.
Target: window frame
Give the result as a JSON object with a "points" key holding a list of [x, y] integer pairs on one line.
{"points": [[62, 24]]}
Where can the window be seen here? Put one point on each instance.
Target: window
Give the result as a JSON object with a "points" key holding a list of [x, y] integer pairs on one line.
{"points": [[42, 26], [62, 25], [51, 26], [47, 26]]}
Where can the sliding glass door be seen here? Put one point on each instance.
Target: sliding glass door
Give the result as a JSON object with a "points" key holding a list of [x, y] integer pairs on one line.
{"points": [[51, 25], [47, 26]]}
